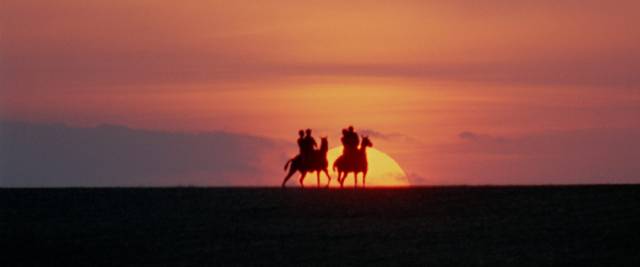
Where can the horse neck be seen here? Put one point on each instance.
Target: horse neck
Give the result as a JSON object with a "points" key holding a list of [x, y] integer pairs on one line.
{"points": [[363, 149], [324, 147]]}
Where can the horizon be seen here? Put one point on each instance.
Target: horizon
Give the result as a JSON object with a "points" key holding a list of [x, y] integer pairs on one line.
{"points": [[349, 189]]}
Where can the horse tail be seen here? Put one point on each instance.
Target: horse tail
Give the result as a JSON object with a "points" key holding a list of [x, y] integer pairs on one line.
{"points": [[286, 166]]}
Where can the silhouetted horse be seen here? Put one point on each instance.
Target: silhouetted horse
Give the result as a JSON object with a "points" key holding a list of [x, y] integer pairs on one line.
{"points": [[355, 163], [317, 162]]}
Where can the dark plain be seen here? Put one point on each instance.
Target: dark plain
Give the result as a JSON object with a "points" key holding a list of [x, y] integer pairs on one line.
{"points": [[515, 226]]}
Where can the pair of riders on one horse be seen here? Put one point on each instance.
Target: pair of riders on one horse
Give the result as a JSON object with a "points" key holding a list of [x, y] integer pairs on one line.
{"points": [[350, 141], [307, 145]]}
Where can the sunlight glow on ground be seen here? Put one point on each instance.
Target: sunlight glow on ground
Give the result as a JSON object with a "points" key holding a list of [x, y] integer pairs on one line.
{"points": [[383, 170]]}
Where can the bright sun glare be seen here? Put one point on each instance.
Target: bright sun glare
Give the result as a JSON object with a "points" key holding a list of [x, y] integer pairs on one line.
{"points": [[383, 170]]}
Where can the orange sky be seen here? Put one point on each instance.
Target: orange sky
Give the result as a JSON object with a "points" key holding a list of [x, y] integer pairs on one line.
{"points": [[417, 73]]}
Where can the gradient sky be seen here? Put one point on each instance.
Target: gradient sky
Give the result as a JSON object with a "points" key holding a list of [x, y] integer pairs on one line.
{"points": [[458, 91]]}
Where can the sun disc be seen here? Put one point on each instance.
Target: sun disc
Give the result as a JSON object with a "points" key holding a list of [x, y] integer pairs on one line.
{"points": [[383, 170]]}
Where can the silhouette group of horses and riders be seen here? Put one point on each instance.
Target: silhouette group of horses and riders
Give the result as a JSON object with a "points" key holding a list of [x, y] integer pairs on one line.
{"points": [[310, 159]]}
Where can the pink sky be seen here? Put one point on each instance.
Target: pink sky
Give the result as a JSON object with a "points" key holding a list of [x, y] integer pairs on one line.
{"points": [[458, 92]]}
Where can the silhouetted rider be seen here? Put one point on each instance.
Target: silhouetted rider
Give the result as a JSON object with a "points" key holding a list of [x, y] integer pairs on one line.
{"points": [[301, 141], [354, 138], [343, 139], [308, 146], [309, 142], [350, 141]]}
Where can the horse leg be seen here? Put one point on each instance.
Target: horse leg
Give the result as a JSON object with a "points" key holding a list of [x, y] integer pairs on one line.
{"points": [[364, 179], [318, 178], [341, 179], [302, 175], [355, 180], [291, 172], [328, 177]]}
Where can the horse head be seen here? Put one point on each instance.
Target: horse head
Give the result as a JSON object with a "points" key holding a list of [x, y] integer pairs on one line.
{"points": [[366, 142], [324, 144]]}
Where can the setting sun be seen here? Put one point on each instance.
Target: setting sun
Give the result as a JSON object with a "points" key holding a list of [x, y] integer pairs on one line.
{"points": [[383, 170]]}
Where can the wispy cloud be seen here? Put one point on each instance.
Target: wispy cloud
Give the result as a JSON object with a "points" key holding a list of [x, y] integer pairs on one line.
{"points": [[395, 137], [150, 42]]}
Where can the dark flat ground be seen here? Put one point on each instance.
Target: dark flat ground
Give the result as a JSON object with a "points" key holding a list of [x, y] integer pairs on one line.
{"points": [[529, 226]]}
